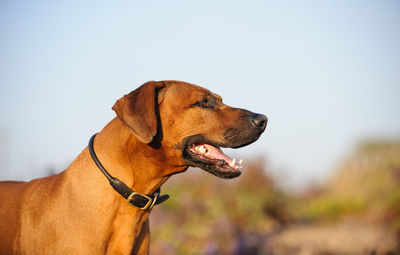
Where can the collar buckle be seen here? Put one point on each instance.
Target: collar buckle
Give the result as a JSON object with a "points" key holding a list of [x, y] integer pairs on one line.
{"points": [[141, 201], [136, 199]]}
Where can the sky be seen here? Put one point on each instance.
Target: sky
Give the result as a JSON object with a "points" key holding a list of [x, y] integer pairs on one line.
{"points": [[326, 73]]}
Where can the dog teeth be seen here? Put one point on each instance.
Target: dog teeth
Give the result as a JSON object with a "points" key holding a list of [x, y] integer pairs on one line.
{"points": [[202, 150], [236, 164], [199, 148], [233, 163]]}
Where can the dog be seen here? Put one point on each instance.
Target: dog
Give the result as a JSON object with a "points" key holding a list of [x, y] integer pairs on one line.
{"points": [[161, 129]]}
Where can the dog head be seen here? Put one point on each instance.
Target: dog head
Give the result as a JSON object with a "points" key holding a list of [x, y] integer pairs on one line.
{"points": [[188, 125]]}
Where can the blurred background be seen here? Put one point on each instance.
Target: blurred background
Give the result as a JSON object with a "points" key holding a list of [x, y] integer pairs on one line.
{"points": [[323, 179]]}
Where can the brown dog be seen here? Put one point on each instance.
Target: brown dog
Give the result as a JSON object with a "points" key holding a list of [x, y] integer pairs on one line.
{"points": [[162, 128]]}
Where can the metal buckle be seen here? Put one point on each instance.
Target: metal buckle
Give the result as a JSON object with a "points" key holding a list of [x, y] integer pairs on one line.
{"points": [[148, 204], [154, 200]]}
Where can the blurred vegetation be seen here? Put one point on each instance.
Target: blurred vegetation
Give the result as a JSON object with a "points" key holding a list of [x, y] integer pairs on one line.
{"points": [[367, 184], [249, 214]]}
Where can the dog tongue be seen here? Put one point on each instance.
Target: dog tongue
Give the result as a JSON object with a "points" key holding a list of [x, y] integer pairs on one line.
{"points": [[216, 153]]}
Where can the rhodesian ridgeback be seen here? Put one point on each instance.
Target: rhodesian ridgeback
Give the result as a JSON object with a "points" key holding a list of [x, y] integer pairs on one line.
{"points": [[160, 130]]}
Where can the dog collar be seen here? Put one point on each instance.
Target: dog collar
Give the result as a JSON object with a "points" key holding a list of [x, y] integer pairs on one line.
{"points": [[137, 199]]}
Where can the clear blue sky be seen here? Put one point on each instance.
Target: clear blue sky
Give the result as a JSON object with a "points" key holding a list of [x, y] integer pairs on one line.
{"points": [[326, 73]]}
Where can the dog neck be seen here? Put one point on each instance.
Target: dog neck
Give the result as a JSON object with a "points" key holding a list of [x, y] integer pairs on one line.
{"points": [[126, 158]]}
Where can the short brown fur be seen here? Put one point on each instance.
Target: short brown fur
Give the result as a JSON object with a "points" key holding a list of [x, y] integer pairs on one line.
{"points": [[77, 211]]}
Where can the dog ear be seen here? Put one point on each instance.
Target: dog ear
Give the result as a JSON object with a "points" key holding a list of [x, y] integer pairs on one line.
{"points": [[137, 110]]}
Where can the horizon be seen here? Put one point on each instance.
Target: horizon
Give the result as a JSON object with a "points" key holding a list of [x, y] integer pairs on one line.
{"points": [[325, 74]]}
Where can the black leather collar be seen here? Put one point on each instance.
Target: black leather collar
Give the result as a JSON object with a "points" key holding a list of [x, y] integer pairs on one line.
{"points": [[139, 200]]}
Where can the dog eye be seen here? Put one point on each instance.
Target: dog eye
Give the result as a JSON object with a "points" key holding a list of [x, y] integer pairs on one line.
{"points": [[204, 104]]}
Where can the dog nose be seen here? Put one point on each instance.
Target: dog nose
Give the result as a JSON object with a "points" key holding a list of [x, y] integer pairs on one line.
{"points": [[259, 120]]}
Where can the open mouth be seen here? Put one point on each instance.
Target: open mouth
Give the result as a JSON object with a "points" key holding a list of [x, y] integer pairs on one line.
{"points": [[212, 159]]}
